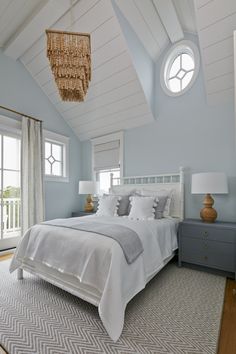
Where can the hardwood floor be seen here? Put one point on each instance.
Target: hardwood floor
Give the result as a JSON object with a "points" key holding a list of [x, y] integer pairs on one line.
{"points": [[6, 256], [227, 340]]}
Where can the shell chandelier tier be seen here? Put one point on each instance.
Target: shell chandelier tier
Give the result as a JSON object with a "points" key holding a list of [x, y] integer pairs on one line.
{"points": [[69, 54]]}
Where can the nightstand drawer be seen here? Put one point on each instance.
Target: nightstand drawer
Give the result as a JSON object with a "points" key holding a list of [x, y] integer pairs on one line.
{"points": [[209, 233], [220, 255]]}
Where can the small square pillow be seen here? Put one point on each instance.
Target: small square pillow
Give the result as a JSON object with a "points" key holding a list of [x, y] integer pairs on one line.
{"points": [[164, 204], [142, 208], [123, 208], [108, 205]]}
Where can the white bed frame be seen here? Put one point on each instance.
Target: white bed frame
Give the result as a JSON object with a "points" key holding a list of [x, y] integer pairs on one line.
{"points": [[173, 181]]}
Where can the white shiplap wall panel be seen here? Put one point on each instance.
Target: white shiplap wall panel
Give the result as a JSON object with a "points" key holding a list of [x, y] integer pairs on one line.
{"points": [[49, 87], [154, 24], [106, 99], [202, 3], [115, 95], [222, 96], [215, 11], [120, 106], [12, 14], [81, 8], [135, 17], [219, 68], [104, 72], [111, 67], [223, 82], [216, 21], [138, 111], [218, 51], [217, 32], [131, 123], [108, 51], [105, 86], [186, 15], [43, 76]]}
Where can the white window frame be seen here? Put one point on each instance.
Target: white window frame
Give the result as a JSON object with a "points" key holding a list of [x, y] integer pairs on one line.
{"points": [[181, 47], [61, 140], [106, 139]]}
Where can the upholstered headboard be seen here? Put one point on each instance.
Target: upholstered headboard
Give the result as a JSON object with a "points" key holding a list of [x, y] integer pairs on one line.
{"points": [[170, 181]]}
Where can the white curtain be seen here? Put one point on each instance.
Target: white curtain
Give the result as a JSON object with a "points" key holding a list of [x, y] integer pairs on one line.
{"points": [[32, 194]]}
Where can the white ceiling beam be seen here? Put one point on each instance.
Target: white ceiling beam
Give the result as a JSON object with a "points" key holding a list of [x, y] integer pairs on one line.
{"points": [[45, 17], [169, 19]]}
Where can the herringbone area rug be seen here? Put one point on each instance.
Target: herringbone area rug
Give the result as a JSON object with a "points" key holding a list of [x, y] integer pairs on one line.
{"points": [[179, 312]]}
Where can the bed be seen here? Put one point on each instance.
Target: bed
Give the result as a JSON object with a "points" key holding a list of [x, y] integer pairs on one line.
{"points": [[94, 267]]}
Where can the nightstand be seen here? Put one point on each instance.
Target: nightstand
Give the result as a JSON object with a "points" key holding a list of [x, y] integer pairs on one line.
{"points": [[208, 245], [81, 213]]}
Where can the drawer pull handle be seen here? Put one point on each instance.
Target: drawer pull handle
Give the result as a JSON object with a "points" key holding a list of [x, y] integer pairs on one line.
{"points": [[205, 233]]}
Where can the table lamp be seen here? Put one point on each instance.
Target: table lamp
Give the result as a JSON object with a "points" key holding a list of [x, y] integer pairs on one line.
{"points": [[209, 183], [89, 188]]}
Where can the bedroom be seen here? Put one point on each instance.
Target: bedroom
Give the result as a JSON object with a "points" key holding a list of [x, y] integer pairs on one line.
{"points": [[133, 121]]}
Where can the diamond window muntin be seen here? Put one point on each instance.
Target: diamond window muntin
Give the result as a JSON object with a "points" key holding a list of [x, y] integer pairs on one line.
{"points": [[53, 159]]}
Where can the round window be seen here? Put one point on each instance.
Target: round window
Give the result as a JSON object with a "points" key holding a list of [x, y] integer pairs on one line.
{"points": [[180, 68]]}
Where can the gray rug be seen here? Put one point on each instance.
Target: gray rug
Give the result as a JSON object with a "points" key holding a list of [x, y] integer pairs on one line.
{"points": [[179, 312]]}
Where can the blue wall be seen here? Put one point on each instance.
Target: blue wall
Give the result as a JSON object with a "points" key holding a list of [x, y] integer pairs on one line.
{"points": [[19, 91], [187, 132]]}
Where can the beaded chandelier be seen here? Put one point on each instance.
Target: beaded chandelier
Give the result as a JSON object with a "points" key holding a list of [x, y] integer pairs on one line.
{"points": [[69, 54]]}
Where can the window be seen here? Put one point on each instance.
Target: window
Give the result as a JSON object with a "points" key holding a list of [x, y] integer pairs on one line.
{"points": [[53, 159], [107, 159], [103, 178], [180, 68], [10, 196], [56, 157]]}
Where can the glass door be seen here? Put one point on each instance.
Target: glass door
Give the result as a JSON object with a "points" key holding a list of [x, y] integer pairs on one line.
{"points": [[10, 201]]}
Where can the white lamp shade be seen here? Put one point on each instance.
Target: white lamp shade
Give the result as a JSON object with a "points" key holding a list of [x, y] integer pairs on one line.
{"points": [[87, 187], [209, 182]]}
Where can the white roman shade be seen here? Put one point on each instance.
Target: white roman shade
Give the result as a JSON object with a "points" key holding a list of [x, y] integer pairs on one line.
{"points": [[107, 155]]}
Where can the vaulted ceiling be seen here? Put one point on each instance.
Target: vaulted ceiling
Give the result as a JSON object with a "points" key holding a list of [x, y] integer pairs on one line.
{"points": [[116, 99]]}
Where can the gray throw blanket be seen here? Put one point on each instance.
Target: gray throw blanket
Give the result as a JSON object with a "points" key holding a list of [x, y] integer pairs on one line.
{"points": [[127, 238]]}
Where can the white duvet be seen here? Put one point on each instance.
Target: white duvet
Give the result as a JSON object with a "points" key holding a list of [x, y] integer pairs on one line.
{"points": [[99, 261]]}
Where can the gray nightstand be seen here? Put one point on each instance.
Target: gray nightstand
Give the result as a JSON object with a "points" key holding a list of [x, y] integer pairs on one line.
{"points": [[81, 213], [208, 245]]}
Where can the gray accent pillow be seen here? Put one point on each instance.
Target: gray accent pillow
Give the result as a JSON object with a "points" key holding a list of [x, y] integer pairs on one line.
{"points": [[124, 205], [160, 206]]}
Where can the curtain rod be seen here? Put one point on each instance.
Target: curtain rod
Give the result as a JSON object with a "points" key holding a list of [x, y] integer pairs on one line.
{"points": [[21, 114]]}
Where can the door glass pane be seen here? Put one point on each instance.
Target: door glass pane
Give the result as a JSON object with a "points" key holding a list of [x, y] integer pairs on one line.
{"points": [[11, 153], [0, 152], [10, 194]]}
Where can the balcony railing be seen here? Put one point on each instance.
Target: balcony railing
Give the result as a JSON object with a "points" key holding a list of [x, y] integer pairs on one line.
{"points": [[11, 217]]}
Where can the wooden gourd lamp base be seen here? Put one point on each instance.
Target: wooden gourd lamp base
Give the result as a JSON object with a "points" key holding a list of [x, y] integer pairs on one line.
{"points": [[208, 214], [209, 183], [88, 207]]}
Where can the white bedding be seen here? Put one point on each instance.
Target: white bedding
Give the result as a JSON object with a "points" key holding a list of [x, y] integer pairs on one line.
{"points": [[99, 261]]}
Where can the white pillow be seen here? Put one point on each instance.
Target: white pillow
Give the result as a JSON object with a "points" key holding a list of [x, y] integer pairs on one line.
{"points": [[108, 205], [142, 208], [161, 193]]}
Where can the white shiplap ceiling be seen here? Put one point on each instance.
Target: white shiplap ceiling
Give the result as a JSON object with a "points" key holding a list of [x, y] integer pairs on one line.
{"points": [[116, 100], [13, 14], [216, 21]]}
